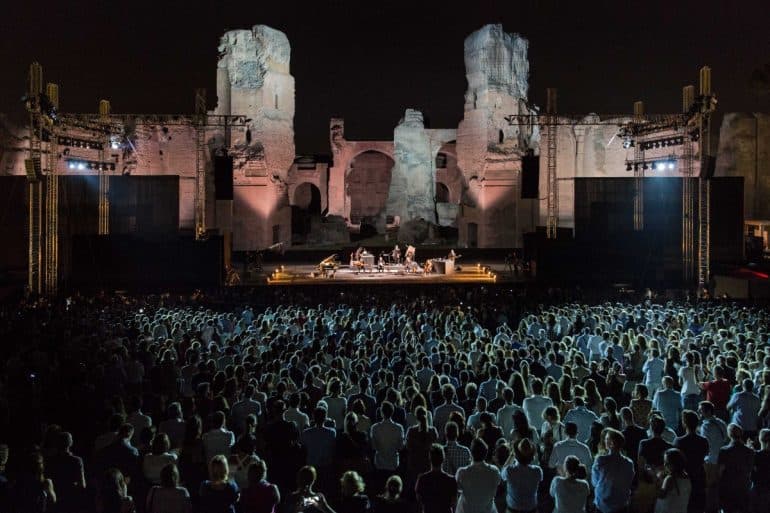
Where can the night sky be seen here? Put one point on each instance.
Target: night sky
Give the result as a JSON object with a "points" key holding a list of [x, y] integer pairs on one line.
{"points": [[368, 62]]}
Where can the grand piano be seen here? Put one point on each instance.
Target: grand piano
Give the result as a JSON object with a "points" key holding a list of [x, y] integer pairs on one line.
{"points": [[329, 266]]}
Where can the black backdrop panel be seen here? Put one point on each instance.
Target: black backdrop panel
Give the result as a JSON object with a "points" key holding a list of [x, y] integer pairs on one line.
{"points": [[121, 261], [144, 204], [727, 219], [13, 224]]}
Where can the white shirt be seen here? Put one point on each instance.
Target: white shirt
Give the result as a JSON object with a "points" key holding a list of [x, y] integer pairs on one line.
{"points": [[534, 407], [653, 373], [387, 439], [570, 447], [154, 463], [299, 418], [477, 484], [689, 381], [570, 494], [505, 418], [217, 441]]}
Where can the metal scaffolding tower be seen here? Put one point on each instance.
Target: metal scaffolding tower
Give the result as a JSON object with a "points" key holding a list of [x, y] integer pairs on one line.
{"points": [[34, 176], [639, 172], [552, 222], [104, 177]]}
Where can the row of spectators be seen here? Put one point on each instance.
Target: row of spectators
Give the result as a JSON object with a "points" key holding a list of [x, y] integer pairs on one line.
{"points": [[470, 399]]}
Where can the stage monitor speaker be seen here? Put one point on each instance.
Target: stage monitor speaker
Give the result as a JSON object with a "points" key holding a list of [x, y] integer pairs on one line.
{"points": [[223, 177], [530, 176]]}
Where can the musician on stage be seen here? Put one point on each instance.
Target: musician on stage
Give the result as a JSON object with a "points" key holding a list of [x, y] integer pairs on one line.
{"points": [[396, 254], [451, 255], [381, 263]]}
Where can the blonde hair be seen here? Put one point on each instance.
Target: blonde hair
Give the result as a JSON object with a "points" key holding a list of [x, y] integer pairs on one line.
{"points": [[219, 470], [351, 483]]}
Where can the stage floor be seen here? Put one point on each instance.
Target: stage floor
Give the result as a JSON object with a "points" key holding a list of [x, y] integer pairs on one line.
{"points": [[307, 274]]}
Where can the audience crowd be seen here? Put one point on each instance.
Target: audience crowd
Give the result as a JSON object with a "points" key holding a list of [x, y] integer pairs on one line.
{"points": [[474, 400]]}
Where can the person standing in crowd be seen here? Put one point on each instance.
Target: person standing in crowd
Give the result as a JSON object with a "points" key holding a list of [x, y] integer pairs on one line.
{"points": [[436, 490], [168, 497], [522, 478], [387, 439], [674, 493], [612, 475], [477, 483], [353, 499], [760, 476], [736, 461], [570, 492], [744, 407], [695, 449], [669, 403], [219, 493]]}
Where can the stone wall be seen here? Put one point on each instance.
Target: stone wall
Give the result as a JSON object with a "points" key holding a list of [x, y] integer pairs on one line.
{"points": [[744, 150]]}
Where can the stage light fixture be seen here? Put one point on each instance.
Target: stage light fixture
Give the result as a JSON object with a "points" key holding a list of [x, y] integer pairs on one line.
{"points": [[628, 167], [671, 165], [644, 166], [81, 166], [660, 166], [71, 165]]}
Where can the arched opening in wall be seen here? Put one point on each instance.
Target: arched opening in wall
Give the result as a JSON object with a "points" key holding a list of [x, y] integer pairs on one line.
{"points": [[441, 160], [366, 185], [442, 193], [305, 211], [473, 235]]}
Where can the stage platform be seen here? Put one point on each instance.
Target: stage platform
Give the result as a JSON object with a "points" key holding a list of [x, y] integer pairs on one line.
{"points": [[307, 274]]}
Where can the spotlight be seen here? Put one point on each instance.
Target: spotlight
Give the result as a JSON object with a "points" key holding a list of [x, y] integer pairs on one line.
{"points": [[660, 166], [71, 165], [81, 166], [114, 145], [671, 165]]}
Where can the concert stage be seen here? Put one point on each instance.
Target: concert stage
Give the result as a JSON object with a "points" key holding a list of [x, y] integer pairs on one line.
{"points": [[308, 274]]}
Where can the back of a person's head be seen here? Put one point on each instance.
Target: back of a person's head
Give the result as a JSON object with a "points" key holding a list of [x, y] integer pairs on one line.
{"points": [[706, 408], [126, 431], [169, 476], [537, 386], [571, 428], [627, 415], [319, 415], [657, 425], [393, 486], [219, 470], [448, 392], [436, 455], [218, 419], [524, 451], [479, 449], [160, 444], [306, 476], [387, 409], [174, 410], [735, 432], [451, 430], [748, 385], [690, 420], [257, 471]]}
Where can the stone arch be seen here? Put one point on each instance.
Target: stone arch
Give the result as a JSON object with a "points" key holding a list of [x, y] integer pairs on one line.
{"points": [[367, 181], [442, 192], [306, 196], [450, 175], [305, 200]]}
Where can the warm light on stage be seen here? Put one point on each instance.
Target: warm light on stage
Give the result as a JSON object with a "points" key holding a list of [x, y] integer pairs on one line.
{"points": [[391, 274]]}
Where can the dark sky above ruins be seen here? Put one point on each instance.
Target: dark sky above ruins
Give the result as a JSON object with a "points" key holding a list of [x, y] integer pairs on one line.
{"points": [[369, 61]]}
